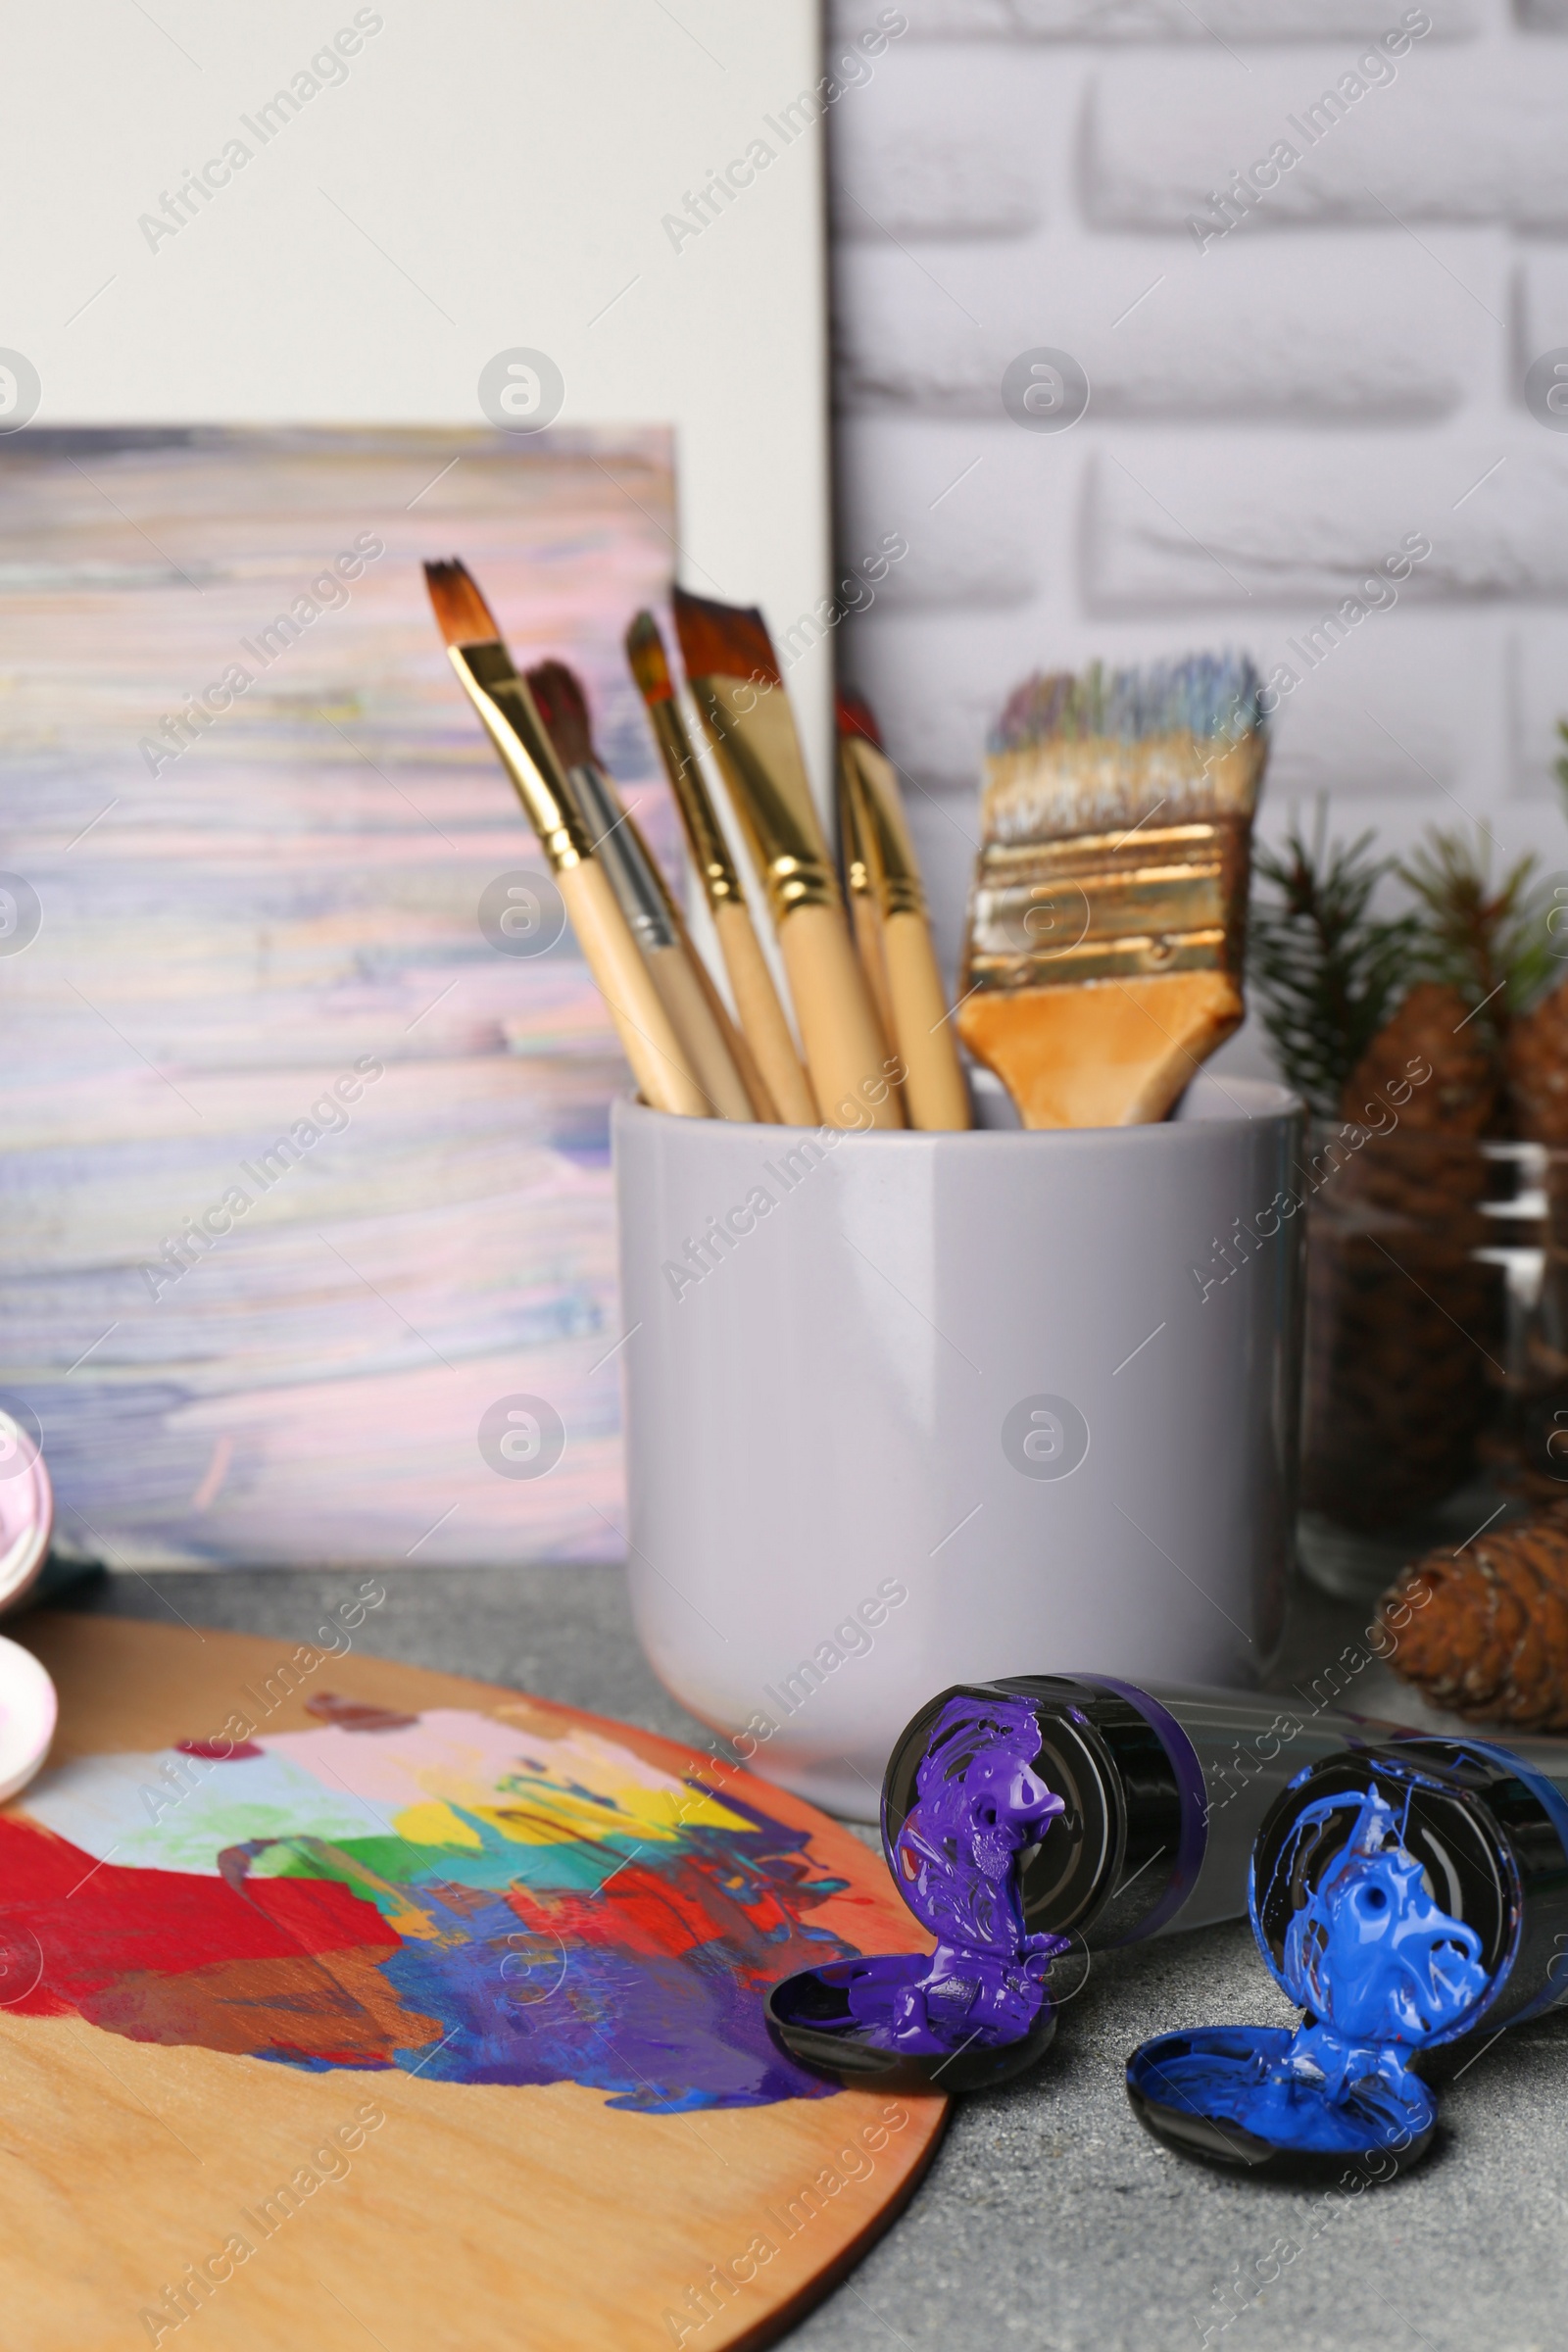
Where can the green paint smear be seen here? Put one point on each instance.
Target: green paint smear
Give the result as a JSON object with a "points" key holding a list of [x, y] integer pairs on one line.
{"points": [[572, 1868]]}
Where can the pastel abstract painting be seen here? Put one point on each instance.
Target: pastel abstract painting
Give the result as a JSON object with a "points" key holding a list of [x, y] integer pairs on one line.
{"points": [[305, 1167], [445, 1894]]}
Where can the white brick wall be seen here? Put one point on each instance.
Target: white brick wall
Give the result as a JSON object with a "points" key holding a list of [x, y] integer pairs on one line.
{"points": [[1273, 409]]}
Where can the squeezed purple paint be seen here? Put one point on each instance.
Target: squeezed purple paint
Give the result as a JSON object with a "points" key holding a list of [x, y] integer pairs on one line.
{"points": [[978, 1804]]}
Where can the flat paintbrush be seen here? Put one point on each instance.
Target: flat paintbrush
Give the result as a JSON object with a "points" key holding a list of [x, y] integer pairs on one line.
{"points": [[739, 689], [689, 997], [1107, 920], [763, 1021], [893, 927], [506, 709]]}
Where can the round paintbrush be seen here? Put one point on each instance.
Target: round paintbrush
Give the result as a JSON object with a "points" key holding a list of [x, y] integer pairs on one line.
{"points": [[682, 981], [507, 712]]}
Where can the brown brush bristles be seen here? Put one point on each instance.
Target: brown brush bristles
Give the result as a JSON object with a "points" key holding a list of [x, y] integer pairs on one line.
{"points": [[725, 641], [644, 651], [463, 617], [564, 708], [855, 718]]}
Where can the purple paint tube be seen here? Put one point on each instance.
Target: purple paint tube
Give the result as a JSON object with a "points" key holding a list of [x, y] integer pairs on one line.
{"points": [[1028, 1822]]}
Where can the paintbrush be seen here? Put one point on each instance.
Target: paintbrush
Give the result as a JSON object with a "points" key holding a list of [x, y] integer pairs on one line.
{"points": [[506, 709], [859, 887], [1107, 920], [762, 1020], [689, 997], [739, 690], [892, 926]]}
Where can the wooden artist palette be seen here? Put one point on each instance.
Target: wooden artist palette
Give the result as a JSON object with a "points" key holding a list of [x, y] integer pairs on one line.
{"points": [[360, 2005]]}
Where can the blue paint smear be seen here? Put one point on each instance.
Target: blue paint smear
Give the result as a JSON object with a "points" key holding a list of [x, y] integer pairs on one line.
{"points": [[644, 1978]]}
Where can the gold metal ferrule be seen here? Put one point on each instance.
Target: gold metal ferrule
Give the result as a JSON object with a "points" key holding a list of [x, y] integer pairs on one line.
{"points": [[754, 741], [1108, 906], [511, 720], [859, 880], [883, 834], [710, 849]]}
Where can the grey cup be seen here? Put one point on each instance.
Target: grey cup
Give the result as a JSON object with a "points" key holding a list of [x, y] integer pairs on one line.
{"points": [[905, 1409]]}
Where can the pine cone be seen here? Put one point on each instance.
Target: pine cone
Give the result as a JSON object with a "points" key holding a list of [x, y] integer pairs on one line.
{"points": [[1485, 1634], [1432, 1025], [1538, 1069]]}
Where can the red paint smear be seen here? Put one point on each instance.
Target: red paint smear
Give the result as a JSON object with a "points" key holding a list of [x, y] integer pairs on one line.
{"points": [[97, 1923], [355, 1714], [644, 1912], [220, 1751]]}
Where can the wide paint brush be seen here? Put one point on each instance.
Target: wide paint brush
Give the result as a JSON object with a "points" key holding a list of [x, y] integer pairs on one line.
{"points": [[739, 690], [892, 926], [763, 1018], [688, 995], [1107, 920], [487, 675]]}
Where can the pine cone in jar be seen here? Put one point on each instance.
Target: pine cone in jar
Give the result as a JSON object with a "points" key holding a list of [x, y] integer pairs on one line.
{"points": [[1431, 1028], [1538, 1069], [1402, 1319], [1485, 1632]]}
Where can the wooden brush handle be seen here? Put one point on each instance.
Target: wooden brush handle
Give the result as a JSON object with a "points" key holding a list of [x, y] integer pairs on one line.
{"points": [[647, 1037], [763, 1106], [865, 925], [934, 1092], [844, 1049], [681, 993], [1106, 1053], [761, 1017]]}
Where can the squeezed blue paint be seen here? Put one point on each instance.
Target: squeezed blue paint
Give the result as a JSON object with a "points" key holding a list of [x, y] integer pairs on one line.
{"points": [[1381, 1969]]}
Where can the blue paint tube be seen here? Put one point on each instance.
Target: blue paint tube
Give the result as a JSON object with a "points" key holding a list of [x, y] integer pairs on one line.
{"points": [[1028, 1822], [1411, 1897]]}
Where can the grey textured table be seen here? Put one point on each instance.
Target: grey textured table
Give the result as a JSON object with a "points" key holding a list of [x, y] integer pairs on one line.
{"points": [[1049, 2219]]}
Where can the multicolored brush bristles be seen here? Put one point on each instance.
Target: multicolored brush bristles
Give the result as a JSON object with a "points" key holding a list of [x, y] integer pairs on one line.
{"points": [[1204, 695], [1106, 749]]}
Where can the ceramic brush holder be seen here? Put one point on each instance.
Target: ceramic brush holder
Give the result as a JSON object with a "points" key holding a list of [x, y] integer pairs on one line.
{"points": [[907, 1408], [1406, 1897], [1026, 1821]]}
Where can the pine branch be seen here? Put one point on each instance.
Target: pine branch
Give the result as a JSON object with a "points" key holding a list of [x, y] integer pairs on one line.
{"points": [[1328, 971], [1491, 943]]}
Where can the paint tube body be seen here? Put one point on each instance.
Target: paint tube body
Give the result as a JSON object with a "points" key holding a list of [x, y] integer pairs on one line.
{"points": [[1163, 1791]]}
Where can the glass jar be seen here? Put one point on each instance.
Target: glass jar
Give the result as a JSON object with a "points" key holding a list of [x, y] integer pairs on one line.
{"points": [[1425, 1260], [1543, 1419]]}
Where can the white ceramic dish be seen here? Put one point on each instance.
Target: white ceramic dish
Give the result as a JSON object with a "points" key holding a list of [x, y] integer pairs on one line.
{"points": [[28, 1709], [26, 1509]]}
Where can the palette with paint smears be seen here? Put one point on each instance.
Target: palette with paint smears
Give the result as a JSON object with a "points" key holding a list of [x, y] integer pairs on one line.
{"points": [[337, 1987]]}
